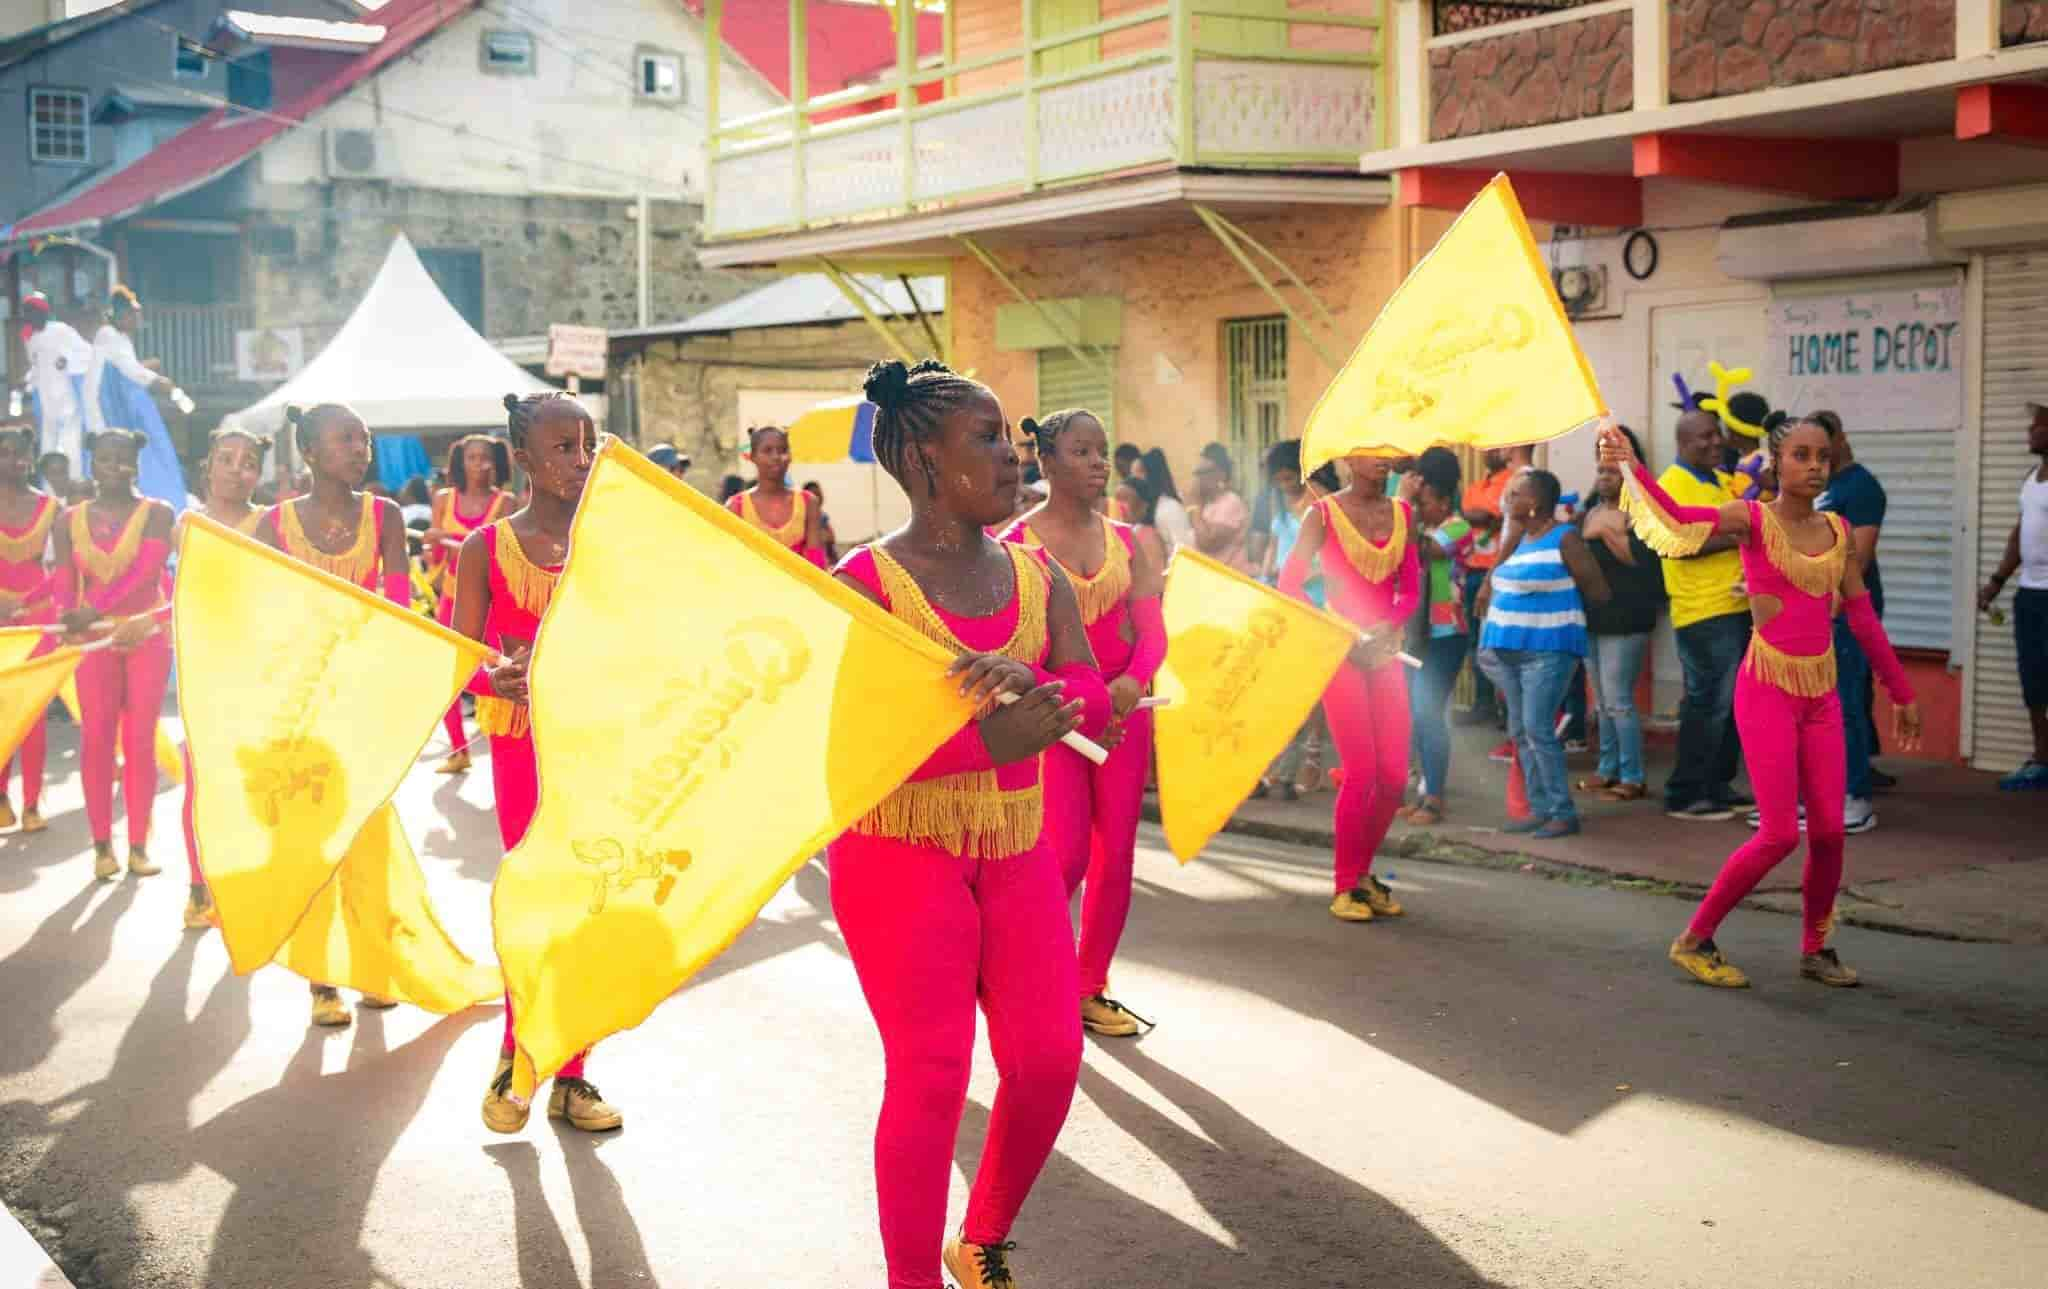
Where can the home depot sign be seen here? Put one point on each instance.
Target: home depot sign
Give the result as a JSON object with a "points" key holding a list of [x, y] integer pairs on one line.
{"points": [[1890, 359]]}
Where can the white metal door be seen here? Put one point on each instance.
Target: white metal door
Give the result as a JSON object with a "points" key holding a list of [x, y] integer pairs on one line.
{"points": [[2015, 370]]}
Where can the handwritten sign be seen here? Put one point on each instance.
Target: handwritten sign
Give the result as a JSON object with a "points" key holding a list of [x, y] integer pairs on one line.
{"points": [[1885, 360], [576, 351]]}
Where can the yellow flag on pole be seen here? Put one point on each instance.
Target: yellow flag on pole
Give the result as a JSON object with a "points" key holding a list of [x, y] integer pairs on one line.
{"points": [[1474, 349], [16, 643], [306, 700], [1244, 667], [708, 711], [26, 687]]}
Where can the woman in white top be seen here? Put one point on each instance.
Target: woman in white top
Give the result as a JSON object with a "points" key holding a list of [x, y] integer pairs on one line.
{"points": [[1169, 516], [118, 396]]}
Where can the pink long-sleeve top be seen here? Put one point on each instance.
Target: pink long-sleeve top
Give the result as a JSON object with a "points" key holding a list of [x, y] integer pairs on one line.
{"points": [[24, 582], [521, 590], [362, 563], [1794, 648], [1372, 584], [1127, 634]]}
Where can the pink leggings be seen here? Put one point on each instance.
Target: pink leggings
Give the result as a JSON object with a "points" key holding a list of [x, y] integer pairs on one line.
{"points": [[122, 693], [34, 752], [1794, 749], [191, 833], [930, 934], [516, 783], [1368, 713], [1091, 827]]}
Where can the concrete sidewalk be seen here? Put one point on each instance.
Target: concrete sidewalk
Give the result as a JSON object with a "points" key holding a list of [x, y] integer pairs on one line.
{"points": [[1951, 856]]}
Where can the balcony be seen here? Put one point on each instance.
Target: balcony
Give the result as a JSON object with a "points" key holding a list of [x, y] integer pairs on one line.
{"points": [[1215, 84], [196, 342]]}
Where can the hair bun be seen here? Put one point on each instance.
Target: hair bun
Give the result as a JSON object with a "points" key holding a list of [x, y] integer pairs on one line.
{"points": [[1029, 426], [294, 414], [511, 402], [887, 385]]}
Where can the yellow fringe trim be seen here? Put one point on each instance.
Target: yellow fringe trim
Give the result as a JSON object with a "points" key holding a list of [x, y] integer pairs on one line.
{"points": [[1112, 581], [1814, 574], [907, 604], [532, 585], [964, 814], [446, 518], [1377, 563], [352, 565], [31, 544], [502, 717], [1658, 527], [247, 527], [1803, 675], [793, 529], [105, 566]]}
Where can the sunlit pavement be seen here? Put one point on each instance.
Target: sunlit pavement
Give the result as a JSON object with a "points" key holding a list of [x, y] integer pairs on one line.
{"points": [[1508, 1087]]}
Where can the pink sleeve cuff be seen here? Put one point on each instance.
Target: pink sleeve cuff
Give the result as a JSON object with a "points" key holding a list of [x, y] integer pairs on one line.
{"points": [[964, 753], [1149, 650], [1877, 646]]}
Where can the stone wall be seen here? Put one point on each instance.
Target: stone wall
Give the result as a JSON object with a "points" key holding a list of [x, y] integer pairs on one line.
{"points": [[2024, 21], [1561, 72], [1721, 47]]}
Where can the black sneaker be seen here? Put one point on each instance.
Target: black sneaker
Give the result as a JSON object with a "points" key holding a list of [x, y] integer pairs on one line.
{"points": [[1882, 782], [1738, 800], [1702, 812]]}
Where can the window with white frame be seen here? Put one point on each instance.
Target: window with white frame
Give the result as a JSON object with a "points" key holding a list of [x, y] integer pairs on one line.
{"points": [[57, 129], [659, 76], [188, 59], [508, 52]]}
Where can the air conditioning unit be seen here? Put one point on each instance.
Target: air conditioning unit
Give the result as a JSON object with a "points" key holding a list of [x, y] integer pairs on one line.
{"points": [[359, 154]]}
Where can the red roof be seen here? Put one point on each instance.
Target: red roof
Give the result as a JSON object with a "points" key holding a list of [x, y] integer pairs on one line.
{"points": [[849, 41], [223, 138]]}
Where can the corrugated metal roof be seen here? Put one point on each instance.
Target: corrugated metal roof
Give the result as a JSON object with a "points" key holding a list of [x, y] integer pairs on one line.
{"points": [[799, 299]]}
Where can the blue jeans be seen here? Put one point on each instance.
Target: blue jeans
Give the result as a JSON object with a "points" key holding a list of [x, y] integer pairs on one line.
{"points": [[1617, 662], [1429, 697], [1482, 686], [1709, 751], [1852, 682], [1534, 685]]}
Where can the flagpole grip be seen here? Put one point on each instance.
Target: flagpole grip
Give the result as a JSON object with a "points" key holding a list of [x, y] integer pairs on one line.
{"points": [[1074, 739], [1406, 659]]}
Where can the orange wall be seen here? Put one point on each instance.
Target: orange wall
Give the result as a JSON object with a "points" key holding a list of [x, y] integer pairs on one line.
{"points": [[1940, 693]]}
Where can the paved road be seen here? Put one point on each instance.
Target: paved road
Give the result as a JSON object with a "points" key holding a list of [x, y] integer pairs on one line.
{"points": [[1507, 1089]]}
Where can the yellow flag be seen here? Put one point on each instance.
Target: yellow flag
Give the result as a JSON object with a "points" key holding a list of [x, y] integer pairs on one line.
{"points": [[371, 928], [306, 700], [708, 711], [16, 643], [26, 688], [1244, 667], [1474, 349]]}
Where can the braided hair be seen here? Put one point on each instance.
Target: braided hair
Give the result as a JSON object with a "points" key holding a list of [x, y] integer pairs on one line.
{"points": [[308, 422], [458, 473], [754, 434], [522, 413], [1045, 434], [133, 439], [912, 404], [1777, 430]]}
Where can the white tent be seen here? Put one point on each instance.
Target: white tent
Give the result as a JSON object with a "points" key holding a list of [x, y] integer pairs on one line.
{"points": [[405, 361]]}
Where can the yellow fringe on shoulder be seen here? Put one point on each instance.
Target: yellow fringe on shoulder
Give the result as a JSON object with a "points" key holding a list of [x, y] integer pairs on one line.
{"points": [[1814, 574], [1098, 594], [908, 605], [30, 545], [1377, 563], [1658, 527], [105, 566], [966, 814], [531, 584], [1803, 675], [792, 530], [502, 717], [352, 565]]}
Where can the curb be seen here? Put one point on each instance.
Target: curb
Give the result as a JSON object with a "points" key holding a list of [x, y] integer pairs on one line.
{"points": [[23, 1264]]}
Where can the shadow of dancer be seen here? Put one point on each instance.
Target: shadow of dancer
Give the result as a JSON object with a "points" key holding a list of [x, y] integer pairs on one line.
{"points": [[56, 961], [618, 1254]]}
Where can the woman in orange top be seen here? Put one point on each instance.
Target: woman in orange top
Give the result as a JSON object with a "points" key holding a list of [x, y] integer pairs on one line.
{"points": [[789, 515], [477, 464], [26, 518]]}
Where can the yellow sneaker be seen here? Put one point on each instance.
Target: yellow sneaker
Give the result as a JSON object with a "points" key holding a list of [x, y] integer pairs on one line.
{"points": [[502, 1112], [329, 1012], [457, 762], [199, 910], [378, 1002], [32, 821], [7, 819], [980, 1266], [138, 863], [104, 865], [1828, 969], [1351, 906], [1704, 963], [578, 1101], [1103, 1015], [1380, 900]]}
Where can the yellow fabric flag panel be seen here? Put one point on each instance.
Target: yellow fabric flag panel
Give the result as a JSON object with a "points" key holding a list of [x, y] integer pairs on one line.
{"points": [[17, 643], [306, 701], [708, 711], [26, 688], [1244, 667], [1473, 349]]}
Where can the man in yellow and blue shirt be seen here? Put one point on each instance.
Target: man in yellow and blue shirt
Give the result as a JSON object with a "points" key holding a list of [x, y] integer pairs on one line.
{"points": [[1710, 614]]}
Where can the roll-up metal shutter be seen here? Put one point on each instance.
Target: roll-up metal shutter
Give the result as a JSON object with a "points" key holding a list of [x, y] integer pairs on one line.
{"points": [[1065, 381], [1914, 549], [2015, 370]]}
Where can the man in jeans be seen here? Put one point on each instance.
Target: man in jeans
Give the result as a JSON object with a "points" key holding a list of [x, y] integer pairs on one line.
{"points": [[2026, 553], [1710, 614], [1855, 494]]}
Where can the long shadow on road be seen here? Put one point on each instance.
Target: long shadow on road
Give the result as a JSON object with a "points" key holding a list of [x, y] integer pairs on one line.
{"points": [[64, 952], [618, 1254]]}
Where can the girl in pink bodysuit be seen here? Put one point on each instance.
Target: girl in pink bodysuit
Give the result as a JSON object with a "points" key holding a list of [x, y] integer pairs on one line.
{"points": [[354, 535], [1795, 562], [946, 893], [1091, 812], [508, 573], [1363, 542], [802, 523], [110, 565], [26, 520], [477, 464]]}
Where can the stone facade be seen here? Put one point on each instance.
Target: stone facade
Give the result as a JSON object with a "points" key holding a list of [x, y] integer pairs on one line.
{"points": [[1561, 72], [2023, 21], [1721, 47]]}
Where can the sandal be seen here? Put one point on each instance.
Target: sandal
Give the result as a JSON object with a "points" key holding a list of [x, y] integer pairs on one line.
{"points": [[1427, 814], [1597, 785], [1625, 792]]}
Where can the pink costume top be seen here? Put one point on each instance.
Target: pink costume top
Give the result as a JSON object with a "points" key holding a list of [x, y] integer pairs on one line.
{"points": [[121, 576], [24, 584], [958, 801], [1372, 585], [793, 532], [1128, 636], [362, 563], [1795, 650], [520, 593], [448, 517]]}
